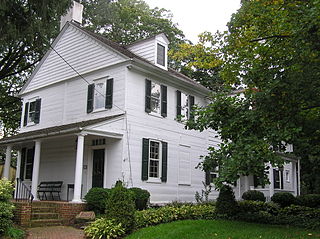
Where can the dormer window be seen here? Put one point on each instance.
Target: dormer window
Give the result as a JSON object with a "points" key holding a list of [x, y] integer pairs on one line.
{"points": [[32, 112], [161, 55]]}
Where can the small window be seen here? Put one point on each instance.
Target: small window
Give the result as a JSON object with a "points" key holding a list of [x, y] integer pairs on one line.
{"points": [[32, 112], [185, 105], [155, 98], [154, 159], [287, 176], [161, 57], [96, 142]]}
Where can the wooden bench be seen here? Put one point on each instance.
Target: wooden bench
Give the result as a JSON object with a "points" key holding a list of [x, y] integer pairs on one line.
{"points": [[52, 188]]}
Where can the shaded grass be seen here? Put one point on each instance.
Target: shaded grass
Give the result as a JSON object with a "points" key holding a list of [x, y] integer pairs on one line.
{"points": [[220, 229]]}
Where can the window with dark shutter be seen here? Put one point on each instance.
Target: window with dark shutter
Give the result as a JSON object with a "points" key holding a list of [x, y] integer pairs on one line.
{"points": [[90, 98], [276, 179], [148, 96], [26, 114], [37, 111], [164, 167], [109, 94], [145, 159], [178, 104], [191, 104], [163, 101], [161, 58]]}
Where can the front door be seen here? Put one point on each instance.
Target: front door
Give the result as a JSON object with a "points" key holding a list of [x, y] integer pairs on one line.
{"points": [[98, 168]]}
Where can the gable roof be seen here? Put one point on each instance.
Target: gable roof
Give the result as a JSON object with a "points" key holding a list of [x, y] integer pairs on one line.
{"points": [[55, 130]]}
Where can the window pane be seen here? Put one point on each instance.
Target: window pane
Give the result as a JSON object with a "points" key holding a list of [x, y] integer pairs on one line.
{"points": [[154, 150], [154, 162], [32, 111], [184, 106], [154, 169], [99, 95], [160, 54], [155, 97]]}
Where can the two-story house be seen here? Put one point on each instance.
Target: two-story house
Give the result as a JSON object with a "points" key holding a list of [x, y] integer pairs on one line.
{"points": [[95, 112]]}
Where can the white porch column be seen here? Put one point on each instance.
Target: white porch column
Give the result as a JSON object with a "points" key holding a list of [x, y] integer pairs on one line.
{"points": [[246, 183], [78, 169], [18, 167], [271, 185], [298, 179], [7, 163], [293, 177], [35, 172]]}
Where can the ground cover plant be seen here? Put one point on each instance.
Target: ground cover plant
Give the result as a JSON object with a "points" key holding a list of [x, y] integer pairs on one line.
{"points": [[221, 229]]}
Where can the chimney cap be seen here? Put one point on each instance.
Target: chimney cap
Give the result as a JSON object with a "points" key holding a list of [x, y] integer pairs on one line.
{"points": [[74, 14]]}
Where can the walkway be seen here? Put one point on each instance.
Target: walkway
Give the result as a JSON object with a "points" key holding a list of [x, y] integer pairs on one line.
{"points": [[56, 232]]}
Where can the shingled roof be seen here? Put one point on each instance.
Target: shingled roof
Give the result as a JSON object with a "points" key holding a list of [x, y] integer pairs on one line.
{"points": [[55, 130]]}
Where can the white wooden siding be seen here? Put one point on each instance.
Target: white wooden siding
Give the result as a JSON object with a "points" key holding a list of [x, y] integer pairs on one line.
{"points": [[145, 49], [79, 50]]}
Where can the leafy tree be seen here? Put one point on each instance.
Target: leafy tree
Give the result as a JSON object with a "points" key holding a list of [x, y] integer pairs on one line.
{"points": [[271, 51], [27, 27]]}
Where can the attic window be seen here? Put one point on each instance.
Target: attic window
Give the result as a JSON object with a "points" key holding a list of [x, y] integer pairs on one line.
{"points": [[161, 54]]}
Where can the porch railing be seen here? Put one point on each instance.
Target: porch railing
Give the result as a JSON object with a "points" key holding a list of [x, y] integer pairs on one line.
{"points": [[23, 192]]}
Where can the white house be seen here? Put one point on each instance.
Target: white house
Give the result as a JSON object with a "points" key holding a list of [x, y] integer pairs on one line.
{"points": [[95, 112]]}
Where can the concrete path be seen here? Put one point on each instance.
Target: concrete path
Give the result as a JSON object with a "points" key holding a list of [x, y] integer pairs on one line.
{"points": [[56, 232]]}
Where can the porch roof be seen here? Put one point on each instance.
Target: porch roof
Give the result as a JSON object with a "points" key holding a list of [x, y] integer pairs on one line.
{"points": [[55, 130]]}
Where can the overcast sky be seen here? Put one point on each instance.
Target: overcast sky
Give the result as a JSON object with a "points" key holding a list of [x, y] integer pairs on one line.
{"points": [[194, 17]]}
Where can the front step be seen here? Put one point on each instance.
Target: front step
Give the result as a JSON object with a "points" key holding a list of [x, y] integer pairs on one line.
{"points": [[46, 222], [44, 215]]}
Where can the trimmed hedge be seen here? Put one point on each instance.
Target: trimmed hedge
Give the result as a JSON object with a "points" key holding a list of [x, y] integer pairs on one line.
{"points": [[96, 199], [104, 228], [167, 214], [226, 203], [309, 200], [284, 199], [254, 195], [141, 198]]}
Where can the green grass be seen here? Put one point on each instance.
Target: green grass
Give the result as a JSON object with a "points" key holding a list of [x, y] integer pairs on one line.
{"points": [[220, 229]]}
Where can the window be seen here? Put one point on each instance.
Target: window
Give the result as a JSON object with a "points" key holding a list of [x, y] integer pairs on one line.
{"points": [[287, 176], [154, 160], [32, 112], [211, 176], [100, 95], [156, 98], [27, 157], [278, 179], [184, 106], [161, 55]]}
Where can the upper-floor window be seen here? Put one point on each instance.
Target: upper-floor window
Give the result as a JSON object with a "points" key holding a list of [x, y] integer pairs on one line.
{"points": [[161, 55], [156, 98], [32, 112], [185, 104], [100, 95]]}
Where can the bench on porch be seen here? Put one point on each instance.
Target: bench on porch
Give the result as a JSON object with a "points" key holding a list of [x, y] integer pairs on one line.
{"points": [[52, 188]]}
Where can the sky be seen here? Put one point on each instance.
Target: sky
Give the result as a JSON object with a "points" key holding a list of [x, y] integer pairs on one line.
{"points": [[195, 17]]}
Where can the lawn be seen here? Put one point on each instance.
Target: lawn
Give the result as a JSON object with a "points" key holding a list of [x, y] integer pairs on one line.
{"points": [[220, 229]]}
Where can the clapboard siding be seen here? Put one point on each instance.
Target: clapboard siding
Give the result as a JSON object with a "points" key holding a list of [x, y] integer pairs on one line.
{"points": [[79, 50], [145, 49], [66, 102]]}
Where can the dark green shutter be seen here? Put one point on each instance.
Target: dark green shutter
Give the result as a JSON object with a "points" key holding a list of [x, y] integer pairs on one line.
{"points": [[109, 94], [163, 101], [30, 160], [23, 161], [191, 104], [26, 111], [208, 177], [281, 179], [90, 98], [145, 159], [164, 167], [37, 112], [178, 104], [148, 96]]}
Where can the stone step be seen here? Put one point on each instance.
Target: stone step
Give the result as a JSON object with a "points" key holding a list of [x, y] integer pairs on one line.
{"points": [[37, 209], [46, 222], [45, 215]]}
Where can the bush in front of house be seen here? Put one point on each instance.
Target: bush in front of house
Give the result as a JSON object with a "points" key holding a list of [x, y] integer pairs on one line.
{"points": [[96, 199], [104, 228], [152, 216], [6, 208], [141, 198], [254, 195], [284, 199], [120, 207], [226, 203], [309, 200]]}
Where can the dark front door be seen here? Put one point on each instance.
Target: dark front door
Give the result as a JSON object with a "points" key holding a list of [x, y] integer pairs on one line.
{"points": [[98, 168]]}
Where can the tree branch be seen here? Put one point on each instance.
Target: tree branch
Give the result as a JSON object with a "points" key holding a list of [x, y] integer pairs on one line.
{"points": [[269, 37], [311, 107]]}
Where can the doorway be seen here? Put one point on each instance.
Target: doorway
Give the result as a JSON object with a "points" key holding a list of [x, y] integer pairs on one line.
{"points": [[98, 168]]}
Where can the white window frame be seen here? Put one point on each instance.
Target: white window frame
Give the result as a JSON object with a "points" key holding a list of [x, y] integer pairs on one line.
{"points": [[102, 94], [150, 178], [159, 98], [25, 166], [30, 101], [165, 55]]}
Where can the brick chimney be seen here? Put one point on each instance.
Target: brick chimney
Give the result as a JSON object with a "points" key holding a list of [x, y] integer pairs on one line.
{"points": [[74, 14]]}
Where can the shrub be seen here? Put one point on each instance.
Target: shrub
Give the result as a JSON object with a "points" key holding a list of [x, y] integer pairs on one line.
{"points": [[15, 233], [226, 202], [283, 199], [141, 198], [167, 214], [6, 208], [96, 199], [253, 195], [120, 207], [104, 228], [309, 200]]}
